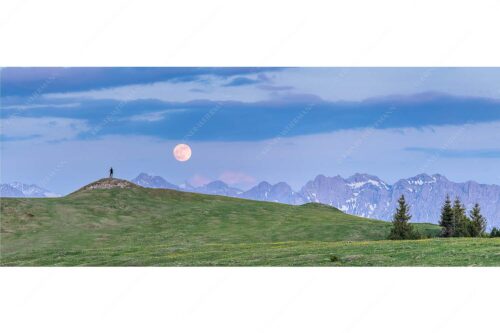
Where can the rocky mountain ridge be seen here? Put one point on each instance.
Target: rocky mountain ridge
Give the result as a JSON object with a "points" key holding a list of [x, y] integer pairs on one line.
{"points": [[368, 196], [20, 190]]}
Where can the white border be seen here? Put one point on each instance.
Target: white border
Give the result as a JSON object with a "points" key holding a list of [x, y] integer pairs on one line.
{"points": [[249, 299], [249, 33], [256, 33]]}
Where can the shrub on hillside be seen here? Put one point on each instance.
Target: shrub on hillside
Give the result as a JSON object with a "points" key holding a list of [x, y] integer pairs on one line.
{"points": [[495, 233]]}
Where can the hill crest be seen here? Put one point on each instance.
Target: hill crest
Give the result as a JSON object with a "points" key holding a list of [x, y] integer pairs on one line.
{"points": [[108, 183]]}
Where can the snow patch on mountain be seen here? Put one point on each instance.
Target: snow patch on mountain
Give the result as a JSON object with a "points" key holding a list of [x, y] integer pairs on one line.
{"points": [[20, 190]]}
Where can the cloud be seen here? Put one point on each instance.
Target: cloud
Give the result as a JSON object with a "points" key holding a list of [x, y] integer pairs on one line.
{"points": [[42, 129], [17, 81], [237, 178], [240, 81], [172, 91], [457, 153], [199, 180], [252, 121], [39, 106], [197, 90], [152, 116], [275, 88], [149, 117], [360, 83], [330, 83]]}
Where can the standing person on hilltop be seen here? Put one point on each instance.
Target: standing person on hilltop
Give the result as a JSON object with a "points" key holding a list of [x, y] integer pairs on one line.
{"points": [[111, 172]]}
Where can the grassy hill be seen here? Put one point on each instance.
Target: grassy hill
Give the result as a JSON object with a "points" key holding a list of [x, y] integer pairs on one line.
{"points": [[139, 226]]}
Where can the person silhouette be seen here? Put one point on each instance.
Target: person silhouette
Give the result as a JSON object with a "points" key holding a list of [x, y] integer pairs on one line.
{"points": [[111, 172]]}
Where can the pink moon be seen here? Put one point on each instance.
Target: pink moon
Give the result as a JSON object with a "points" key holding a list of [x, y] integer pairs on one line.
{"points": [[182, 152]]}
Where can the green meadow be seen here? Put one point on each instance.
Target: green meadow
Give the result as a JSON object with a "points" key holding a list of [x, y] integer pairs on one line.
{"points": [[153, 227]]}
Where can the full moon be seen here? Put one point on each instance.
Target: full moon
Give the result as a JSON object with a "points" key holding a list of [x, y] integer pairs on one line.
{"points": [[182, 152]]}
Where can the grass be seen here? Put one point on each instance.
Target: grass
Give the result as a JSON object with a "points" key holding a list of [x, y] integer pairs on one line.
{"points": [[151, 227]]}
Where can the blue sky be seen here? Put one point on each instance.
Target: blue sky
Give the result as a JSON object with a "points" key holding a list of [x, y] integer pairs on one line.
{"points": [[64, 127]]}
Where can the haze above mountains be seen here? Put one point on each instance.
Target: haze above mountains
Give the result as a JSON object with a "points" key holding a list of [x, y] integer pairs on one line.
{"points": [[361, 194]]}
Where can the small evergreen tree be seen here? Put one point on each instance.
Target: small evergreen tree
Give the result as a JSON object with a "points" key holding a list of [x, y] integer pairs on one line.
{"points": [[446, 220], [495, 233], [460, 220], [477, 224], [401, 228]]}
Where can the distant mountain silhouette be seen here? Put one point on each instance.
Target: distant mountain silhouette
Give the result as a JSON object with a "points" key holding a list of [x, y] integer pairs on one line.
{"points": [[20, 190], [365, 195], [145, 180]]}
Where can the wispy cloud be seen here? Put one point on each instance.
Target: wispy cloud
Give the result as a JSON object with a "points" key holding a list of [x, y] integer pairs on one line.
{"points": [[457, 153], [42, 129], [153, 116], [198, 180], [173, 91], [237, 178], [274, 88], [253, 121], [240, 81], [149, 117], [25, 81], [39, 106]]}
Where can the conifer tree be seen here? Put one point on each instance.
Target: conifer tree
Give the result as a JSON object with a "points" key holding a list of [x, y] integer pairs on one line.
{"points": [[446, 220], [477, 222], [460, 220], [401, 228]]}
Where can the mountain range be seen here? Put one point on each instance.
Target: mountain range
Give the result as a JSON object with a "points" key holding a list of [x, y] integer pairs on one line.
{"points": [[363, 195], [20, 190]]}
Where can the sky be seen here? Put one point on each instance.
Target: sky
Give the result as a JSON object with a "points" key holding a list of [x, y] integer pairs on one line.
{"points": [[64, 127]]}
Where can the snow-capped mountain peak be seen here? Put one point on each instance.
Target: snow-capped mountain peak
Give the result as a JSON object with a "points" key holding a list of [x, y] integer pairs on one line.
{"points": [[145, 180], [359, 180], [279, 192], [18, 189], [422, 179]]}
